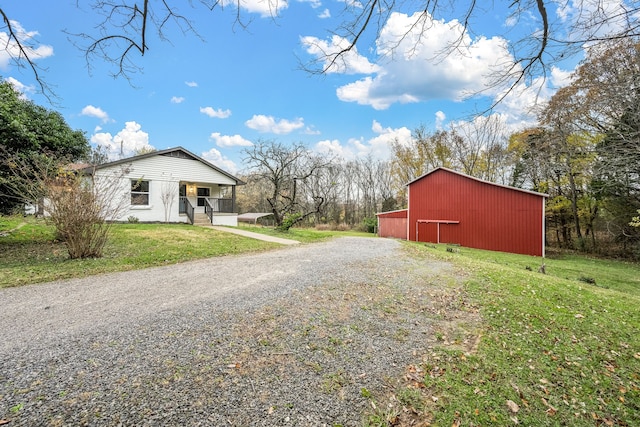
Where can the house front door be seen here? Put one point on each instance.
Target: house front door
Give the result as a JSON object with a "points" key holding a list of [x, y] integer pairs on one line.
{"points": [[203, 193]]}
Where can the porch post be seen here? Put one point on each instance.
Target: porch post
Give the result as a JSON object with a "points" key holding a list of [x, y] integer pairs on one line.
{"points": [[233, 199]]}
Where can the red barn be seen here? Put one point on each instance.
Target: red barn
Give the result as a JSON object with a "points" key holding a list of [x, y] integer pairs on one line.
{"points": [[450, 207]]}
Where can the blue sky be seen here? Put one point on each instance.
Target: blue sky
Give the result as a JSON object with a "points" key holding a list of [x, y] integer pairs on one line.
{"points": [[218, 96]]}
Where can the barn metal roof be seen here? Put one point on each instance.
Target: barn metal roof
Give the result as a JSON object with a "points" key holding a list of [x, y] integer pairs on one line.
{"points": [[477, 179]]}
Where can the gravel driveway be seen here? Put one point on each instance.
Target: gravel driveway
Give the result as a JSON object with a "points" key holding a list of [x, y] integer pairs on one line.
{"points": [[311, 335]]}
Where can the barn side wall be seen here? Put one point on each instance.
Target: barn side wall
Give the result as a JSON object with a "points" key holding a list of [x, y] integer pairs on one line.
{"points": [[393, 224], [490, 217], [393, 227]]}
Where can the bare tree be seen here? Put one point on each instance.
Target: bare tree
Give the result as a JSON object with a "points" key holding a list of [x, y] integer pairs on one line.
{"points": [[168, 195], [21, 52], [479, 147], [287, 169]]}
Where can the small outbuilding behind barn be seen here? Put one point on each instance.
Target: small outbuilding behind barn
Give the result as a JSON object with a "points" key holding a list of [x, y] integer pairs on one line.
{"points": [[446, 206], [393, 224]]}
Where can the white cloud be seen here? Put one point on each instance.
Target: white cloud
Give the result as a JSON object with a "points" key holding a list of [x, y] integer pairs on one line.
{"points": [[177, 99], [352, 4], [214, 156], [511, 21], [350, 62], [313, 3], [10, 49], [412, 66], [440, 118], [20, 87], [604, 18], [219, 113], [310, 130], [324, 14], [265, 8], [520, 105], [229, 140], [333, 147], [560, 78], [191, 84], [378, 146], [264, 124], [96, 112], [125, 143]]}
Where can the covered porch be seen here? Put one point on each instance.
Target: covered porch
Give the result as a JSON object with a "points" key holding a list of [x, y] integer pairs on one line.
{"points": [[208, 203]]}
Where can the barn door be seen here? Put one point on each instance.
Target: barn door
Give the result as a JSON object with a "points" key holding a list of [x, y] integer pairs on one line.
{"points": [[427, 232], [449, 233]]}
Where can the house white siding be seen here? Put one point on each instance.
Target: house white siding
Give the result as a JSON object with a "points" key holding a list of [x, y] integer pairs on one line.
{"points": [[164, 174], [164, 167]]}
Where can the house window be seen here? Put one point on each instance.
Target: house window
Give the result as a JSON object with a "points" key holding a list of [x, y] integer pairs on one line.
{"points": [[139, 192]]}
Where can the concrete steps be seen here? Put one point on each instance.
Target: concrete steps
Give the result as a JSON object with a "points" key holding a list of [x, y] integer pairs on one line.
{"points": [[201, 219]]}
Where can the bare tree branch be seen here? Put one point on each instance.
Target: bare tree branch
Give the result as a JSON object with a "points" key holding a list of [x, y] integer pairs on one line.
{"points": [[23, 57], [125, 33]]}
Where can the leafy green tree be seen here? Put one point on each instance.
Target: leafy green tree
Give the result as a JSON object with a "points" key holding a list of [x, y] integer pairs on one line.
{"points": [[618, 177], [28, 130], [605, 101]]}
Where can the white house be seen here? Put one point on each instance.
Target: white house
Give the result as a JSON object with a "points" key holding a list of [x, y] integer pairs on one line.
{"points": [[172, 185]]}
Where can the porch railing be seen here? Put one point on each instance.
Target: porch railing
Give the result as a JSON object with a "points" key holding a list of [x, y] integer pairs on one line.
{"points": [[185, 207], [220, 205]]}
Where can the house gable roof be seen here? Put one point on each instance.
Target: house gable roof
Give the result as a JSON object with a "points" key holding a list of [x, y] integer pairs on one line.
{"points": [[178, 152], [478, 180]]}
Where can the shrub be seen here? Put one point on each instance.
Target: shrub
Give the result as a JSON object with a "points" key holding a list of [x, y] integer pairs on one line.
{"points": [[289, 220], [369, 224]]}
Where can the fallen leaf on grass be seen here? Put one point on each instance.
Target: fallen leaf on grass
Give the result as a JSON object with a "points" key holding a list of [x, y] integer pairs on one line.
{"points": [[513, 406], [550, 409], [414, 373]]}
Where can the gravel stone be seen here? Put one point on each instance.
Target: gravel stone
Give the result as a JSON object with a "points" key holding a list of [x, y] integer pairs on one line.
{"points": [[299, 336]]}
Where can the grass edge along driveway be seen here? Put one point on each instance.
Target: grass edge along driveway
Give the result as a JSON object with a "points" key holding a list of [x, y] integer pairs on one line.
{"points": [[554, 349], [30, 253]]}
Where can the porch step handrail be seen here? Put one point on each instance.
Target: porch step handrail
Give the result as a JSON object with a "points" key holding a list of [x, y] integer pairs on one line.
{"points": [[186, 207], [208, 209]]}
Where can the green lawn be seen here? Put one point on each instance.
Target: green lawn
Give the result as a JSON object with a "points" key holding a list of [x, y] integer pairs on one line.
{"points": [[30, 254], [305, 235], [553, 350]]}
